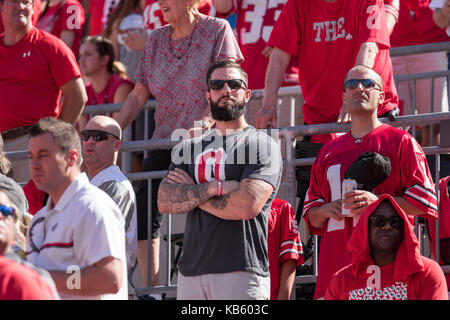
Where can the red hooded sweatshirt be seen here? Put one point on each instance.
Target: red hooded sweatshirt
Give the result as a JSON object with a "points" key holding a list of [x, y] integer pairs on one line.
{"points": [[410, 277]]}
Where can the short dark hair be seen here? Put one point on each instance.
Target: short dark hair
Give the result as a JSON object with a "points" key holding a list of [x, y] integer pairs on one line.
{"points": [[64, 134], [226, 64]]}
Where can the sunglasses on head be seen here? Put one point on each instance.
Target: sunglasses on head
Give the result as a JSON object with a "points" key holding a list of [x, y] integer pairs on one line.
{"points": [[233, 84], [367, 84], [97, 135], [380, 221], [7, 211]]}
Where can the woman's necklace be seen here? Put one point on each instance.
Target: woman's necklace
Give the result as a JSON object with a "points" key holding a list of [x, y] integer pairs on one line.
{"points": [[179, 53]]}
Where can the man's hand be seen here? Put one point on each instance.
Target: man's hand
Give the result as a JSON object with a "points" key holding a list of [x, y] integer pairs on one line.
{"points": [[179, 176], [344, 115], [358, 201], [320, 214], [266, 52], [266, 117]]}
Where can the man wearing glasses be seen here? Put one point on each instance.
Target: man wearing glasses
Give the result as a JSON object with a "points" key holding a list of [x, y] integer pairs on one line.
{"points": [[386, 262], [409, 181], [226, 181], [79, 235], [18, 281], [36, 69], [101, 142]]}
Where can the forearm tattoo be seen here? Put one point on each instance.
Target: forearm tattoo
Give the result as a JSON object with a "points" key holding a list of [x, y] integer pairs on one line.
{"points": [[180, 198], [256, 189], [220, 202]]}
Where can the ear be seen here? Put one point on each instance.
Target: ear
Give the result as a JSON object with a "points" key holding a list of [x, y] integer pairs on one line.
{"points": [[72, 157], [117, 145], [105, 59], [248, 95], [207, 95], [381, 96]]}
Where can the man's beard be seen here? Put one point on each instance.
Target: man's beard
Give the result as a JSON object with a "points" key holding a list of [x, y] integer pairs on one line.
{"points": [[231, 110]]}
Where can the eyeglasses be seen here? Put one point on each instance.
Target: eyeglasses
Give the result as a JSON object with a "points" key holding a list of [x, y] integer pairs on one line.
{"points": [[380, 221], [97, 135], [7, 211], [25, 3], [367, 84], [233, 84]]}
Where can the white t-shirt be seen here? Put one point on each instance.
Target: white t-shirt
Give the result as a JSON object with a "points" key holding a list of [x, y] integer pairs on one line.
{"points": [[113, 173], [83, 227]]}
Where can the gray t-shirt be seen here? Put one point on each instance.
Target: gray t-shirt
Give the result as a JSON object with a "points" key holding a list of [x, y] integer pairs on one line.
{"points": [[212, 244]]}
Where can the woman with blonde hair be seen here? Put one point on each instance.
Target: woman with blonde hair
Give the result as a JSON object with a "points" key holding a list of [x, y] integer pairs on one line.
{"points": [[173, 70]]}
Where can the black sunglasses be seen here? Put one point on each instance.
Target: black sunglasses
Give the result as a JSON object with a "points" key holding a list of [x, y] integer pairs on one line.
{"points": [[367, 84], [97, 135], [233, 84], [7, 211], [380, 221]]}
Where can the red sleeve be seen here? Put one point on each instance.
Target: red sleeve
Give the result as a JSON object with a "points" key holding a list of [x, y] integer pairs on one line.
{"points": [[63, 66], [419, 186], [434, 286], [286, 33], [314, 195], [290, 244], [392, 7], [71, 17], [372, 27]]}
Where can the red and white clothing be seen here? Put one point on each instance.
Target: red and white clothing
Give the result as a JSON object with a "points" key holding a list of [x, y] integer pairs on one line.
{"points": [[444, 225], [326, 38], [32, 71], [83, 227], [153, 17], [99, 12], [18, 282], [284, 241], [410, 277], [416, 26], [409, 178], [254, 24], [67, 16]]}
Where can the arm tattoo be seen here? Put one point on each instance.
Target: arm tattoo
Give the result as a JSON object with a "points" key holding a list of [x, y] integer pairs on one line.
{"points": [[220, 202], [256, 189], [180, 198]]}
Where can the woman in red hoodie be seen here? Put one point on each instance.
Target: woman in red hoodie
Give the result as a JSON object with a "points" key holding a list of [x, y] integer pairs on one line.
{"points": [[386, 262]]}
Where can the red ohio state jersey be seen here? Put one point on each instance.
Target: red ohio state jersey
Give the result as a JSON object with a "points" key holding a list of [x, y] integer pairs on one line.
{"points": [[254, 24], [284, 241], [409, 178]]}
